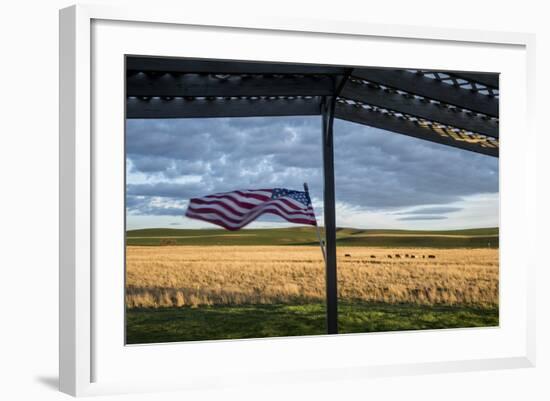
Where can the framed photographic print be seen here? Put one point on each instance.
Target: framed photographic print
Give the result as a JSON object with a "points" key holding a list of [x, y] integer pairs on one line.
{"points": [[281, 200]]}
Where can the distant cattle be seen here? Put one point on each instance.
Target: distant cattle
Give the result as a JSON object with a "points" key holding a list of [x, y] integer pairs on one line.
{"points": [[167, 241], [389, 256], [348, 255], [412, 256], [406, 255], [431, 256], [373, 256], [397, 255]]}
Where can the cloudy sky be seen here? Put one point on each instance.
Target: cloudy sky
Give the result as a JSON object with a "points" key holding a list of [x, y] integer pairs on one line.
{"points": [[383, 180]]}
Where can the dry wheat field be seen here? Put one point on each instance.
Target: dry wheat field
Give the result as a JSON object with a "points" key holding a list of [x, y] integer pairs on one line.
{"points": [[167, 276]]}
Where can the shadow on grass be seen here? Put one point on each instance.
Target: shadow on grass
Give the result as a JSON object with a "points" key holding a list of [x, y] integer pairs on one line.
{"points": [[256, 321]]}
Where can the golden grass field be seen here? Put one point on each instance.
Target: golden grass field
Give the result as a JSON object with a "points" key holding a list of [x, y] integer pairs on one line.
{"points": [[164, 276]]}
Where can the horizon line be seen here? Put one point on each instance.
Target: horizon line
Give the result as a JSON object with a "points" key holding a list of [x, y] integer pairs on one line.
{"points": [[308, 226]]}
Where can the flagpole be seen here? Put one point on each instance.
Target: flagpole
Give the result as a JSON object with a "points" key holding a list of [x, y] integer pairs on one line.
{"points": [[316, 226]]}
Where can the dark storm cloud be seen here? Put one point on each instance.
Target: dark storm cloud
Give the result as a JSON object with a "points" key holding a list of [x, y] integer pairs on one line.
{"points": [[169, 167], [381, 169], [163, 189], [374, 169], [415, 218], [214, 139]]}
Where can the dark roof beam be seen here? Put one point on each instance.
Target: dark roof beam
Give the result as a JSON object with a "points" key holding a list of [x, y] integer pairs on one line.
{"points": [[430, 88], [193, 85], [402, 126], [489, 79], [389, 99], [205, 108]]}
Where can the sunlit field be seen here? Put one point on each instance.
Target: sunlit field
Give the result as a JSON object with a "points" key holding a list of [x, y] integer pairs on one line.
{"points": [[167, 276], [180, 293]]}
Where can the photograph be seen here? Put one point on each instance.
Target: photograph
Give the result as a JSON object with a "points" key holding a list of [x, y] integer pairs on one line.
{"points": [[268, 199], [288, 201]]}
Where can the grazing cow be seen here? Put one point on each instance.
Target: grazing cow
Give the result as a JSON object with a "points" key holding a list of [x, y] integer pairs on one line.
{"points": [[389, 256], [412, 256], [348, 255], [431, 256], [373, 256], [397, 255], [406, 255], [423, 256]]}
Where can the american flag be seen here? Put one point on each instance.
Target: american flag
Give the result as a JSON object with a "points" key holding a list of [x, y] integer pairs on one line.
{"points": [[234, 210]]}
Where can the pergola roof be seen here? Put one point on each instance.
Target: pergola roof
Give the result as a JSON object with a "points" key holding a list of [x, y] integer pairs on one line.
{"points": [[458, 109]]}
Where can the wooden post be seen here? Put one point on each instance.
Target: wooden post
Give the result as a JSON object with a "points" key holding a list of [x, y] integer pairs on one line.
{"points": [[330, 215]]}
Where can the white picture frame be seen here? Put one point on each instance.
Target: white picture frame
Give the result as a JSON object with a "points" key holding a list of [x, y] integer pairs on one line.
{"points": [[92, 39]]}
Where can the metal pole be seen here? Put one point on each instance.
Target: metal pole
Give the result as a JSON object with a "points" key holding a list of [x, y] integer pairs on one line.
{"points": [[306, 188], [330, 215]]}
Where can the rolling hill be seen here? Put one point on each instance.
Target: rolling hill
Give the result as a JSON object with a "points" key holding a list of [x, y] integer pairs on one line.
{"points": [[469, 238]]}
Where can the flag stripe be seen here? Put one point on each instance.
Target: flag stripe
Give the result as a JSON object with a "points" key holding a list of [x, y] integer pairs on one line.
{"points": [[217, 219], [250, 194], [252, 215], [247, 203], [235, 201], [251, 212], [234, 210], [232, 228], [243, 202], [247, 196]]}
